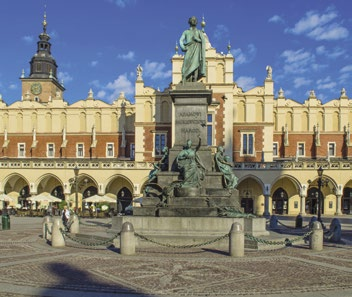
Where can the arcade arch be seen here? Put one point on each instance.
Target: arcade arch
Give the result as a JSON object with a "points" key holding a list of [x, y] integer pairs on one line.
{"points": [[250, 190], [121, 188]]}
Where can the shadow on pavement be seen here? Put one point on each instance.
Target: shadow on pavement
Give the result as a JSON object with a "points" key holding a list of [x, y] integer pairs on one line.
{"points": [[72, 281]]}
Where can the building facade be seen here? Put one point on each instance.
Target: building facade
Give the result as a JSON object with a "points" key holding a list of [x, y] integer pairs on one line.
{"points": [[276, 144]]}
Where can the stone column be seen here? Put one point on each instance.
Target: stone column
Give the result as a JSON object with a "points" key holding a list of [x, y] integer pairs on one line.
{"points": [[338, 205], [67, 199], [266, 206], [303, 205]]}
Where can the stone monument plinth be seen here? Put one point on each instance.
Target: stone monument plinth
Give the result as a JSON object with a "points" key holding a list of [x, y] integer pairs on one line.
{"points": [[184, 199]]}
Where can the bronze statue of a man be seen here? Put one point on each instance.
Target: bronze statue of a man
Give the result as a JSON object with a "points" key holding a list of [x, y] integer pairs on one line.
{"points": [[192, 42]]}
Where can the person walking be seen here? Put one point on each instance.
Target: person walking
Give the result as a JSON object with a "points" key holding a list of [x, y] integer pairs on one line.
{"points": [[65, 216]]}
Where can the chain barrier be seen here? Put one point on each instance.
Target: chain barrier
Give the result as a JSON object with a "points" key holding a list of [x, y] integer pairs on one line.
{"points": [[86, 243], [181, 246], [328, 235], [290, 227], [286, 242]]}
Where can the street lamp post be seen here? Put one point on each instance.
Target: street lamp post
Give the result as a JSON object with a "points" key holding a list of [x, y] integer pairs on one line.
{"points": [[321, 182], [76, 171]]}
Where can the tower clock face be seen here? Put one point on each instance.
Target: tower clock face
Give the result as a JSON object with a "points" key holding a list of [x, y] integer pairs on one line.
{"points": [[36, 88]]}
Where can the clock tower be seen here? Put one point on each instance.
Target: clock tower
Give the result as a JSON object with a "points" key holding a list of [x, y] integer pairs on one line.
{"points": [[42, 84]]}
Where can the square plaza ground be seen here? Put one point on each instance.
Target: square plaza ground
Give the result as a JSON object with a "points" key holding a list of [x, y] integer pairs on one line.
{"points": [[29, 266]]}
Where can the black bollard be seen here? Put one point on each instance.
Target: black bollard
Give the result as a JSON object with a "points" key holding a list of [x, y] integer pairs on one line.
{"points": [[299, 221]]}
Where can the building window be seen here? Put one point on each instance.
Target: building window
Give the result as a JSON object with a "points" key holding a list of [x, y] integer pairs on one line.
{"points": [[109, 150], [209, 129], [247, 144], [300, 149], [50, 150], [21, 150], [331, 149], [160, 142], [80, 150], [132, 150], [275, 149]]}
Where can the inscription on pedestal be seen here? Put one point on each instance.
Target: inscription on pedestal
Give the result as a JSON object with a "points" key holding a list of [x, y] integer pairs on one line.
{"points": [[190, 124]]}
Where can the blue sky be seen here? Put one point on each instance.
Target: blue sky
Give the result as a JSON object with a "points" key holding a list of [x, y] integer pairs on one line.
{"points": [[99, 43]]}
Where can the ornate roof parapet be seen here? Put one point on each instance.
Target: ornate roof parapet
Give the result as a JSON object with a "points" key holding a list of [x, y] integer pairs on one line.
{"points": [[139, 71], [90, 95], [343, 94], [268, 82]]}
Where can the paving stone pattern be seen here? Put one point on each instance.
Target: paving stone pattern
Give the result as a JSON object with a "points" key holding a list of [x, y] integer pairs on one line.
{"points": [[29, 266]]}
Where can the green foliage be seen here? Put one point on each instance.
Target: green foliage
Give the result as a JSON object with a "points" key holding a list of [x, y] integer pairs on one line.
{"points": [[62, 204], [105, 208]]}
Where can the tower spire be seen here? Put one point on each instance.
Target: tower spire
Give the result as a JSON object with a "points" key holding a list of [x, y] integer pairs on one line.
{"points": [[43, 64], [44, 21]]}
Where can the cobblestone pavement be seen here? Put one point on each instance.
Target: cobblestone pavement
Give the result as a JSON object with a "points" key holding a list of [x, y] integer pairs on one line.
{"points": [[29, 266]]}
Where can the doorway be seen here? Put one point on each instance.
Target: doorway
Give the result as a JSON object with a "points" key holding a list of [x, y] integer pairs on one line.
{"points": [[124, 199], [280, 202], [313, 200], [247, 205]]}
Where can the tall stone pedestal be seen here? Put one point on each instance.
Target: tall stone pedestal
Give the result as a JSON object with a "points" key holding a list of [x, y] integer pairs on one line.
{"points": [[191, 102]]}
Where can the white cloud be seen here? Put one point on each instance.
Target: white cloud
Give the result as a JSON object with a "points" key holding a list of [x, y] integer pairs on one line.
{"points": [[246, 82], [347, 68], [326, 83], [333, 54], [221, 32], [288, 93], [276, 19], [129, 56], [331, 32], [321, 50], [53, 34], [122, 3], [311, 21], [94, 63], [301, 81], [344, 78], [101, 94], [244, 57], [28, 39], [13, 87], [297, 61], [120, 84], [155, 70], [319, 27], [96, 84], [65, 77]]}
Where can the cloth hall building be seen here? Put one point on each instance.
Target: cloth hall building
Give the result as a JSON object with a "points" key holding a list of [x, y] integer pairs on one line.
{"points": [[275, 143]]}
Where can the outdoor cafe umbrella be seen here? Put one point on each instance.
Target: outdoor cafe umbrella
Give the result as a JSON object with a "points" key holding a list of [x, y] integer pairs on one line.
{"points": [[97, 199], [4, 197], [43, 197]]}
